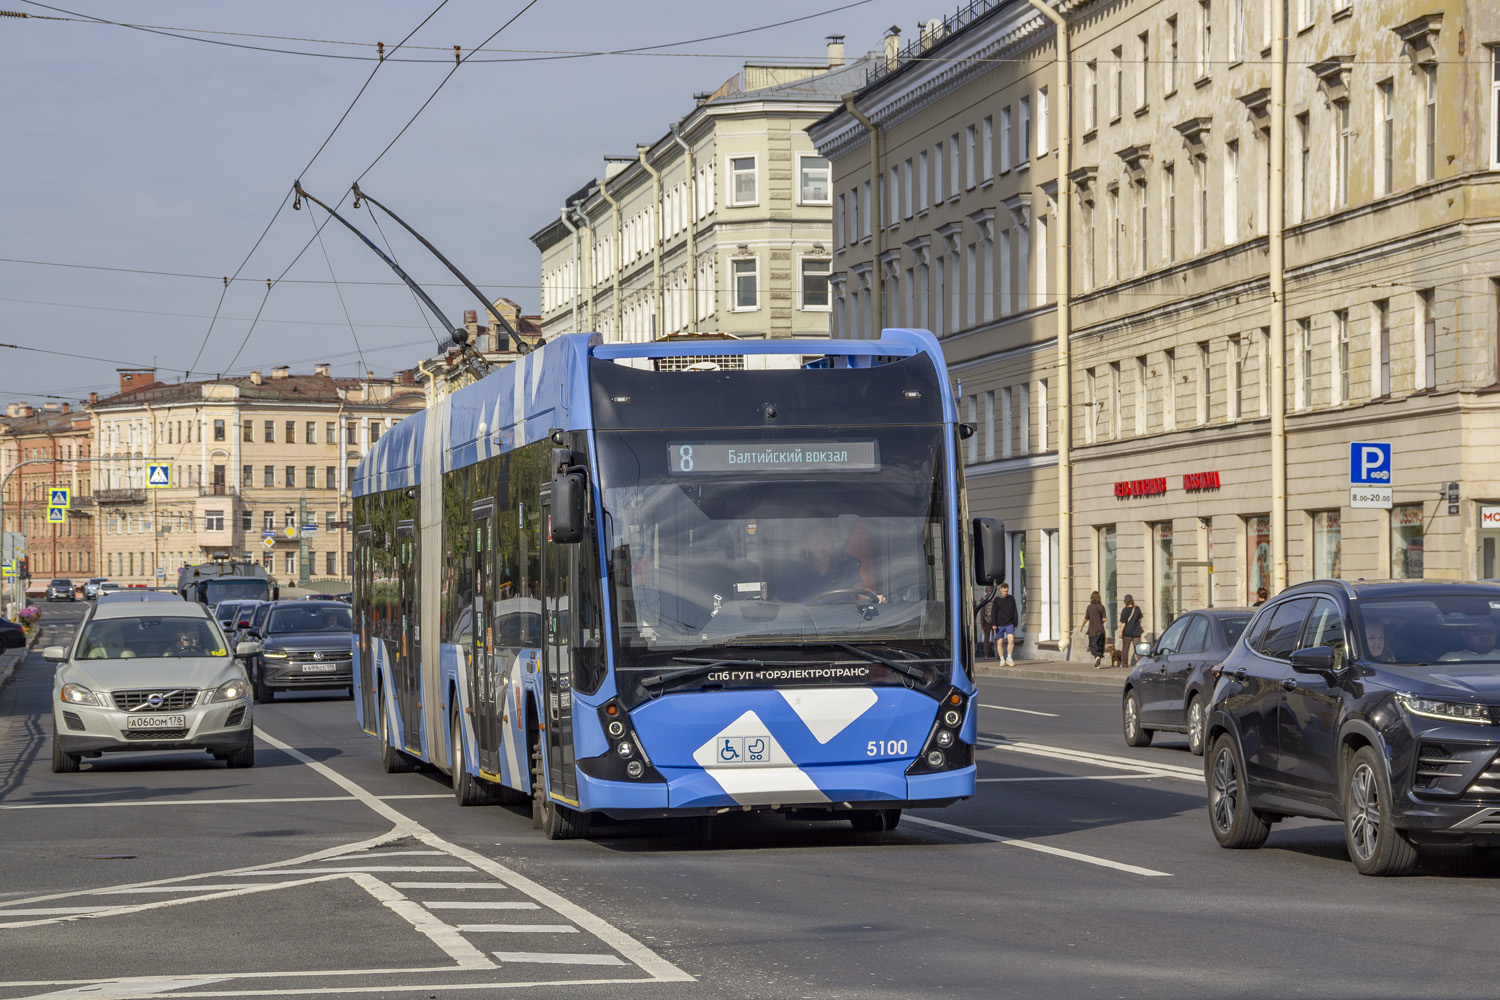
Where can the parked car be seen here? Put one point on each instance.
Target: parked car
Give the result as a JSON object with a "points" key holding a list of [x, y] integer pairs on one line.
{"points": [[1169, 687], [61, 590], [12, 635], [300, 645], [148, 676], [91, 588], [1372, 704]]}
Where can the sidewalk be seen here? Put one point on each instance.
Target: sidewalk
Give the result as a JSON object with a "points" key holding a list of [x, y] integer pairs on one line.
{"points": [[9, 661], [1054, 670]]}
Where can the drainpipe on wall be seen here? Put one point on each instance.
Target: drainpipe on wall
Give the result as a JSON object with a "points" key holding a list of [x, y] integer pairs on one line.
{"points": [[1277, 349], [692, 222], [877, 220], [616, 247], [656, 316], [562, 214], [1064, 118]]}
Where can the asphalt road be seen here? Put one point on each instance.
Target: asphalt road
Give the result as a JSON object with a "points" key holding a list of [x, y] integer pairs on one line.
{"points": [[1082, 868]]}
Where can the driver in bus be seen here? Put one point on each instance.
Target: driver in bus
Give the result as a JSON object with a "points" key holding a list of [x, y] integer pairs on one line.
{"points": [[822, 572]]}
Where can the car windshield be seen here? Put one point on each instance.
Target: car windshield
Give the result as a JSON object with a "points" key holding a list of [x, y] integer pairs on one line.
{"points": [[149, 637], [216, 591], [703, 554], [1431, 630], [1233, 627], [314, 618]]}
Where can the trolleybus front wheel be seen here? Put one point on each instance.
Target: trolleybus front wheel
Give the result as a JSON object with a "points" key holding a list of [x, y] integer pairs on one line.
{"points": [[557, 822]]}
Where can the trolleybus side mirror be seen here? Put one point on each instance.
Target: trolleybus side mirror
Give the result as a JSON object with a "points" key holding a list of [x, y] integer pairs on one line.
{"points": [[989, 550], [567, 508]]}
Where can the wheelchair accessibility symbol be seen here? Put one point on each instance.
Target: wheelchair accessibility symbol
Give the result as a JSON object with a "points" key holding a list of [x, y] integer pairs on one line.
{"points": [[732, 749], [743, 750]]}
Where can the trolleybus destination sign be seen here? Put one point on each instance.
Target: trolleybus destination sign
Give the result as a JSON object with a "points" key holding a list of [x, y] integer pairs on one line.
{"points": [[686, 458]]}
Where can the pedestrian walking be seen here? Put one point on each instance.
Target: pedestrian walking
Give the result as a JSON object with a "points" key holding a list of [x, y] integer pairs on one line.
{"points": [[1093, 624], [1007, 617], [984, 625], [1260, 597], [1130, 631]]}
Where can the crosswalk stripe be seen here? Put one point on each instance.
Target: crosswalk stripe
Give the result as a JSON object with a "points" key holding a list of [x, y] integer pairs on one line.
{"points": [[556, 958], [518, 928], [482, 906], [359, 868], [47, 911], [450, 885]]}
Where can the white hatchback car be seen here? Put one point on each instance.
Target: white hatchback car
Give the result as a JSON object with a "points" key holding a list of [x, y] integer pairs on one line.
{"points": [[149, 676]]}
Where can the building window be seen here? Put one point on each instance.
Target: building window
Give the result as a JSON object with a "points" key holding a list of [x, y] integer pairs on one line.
{"points": [[1380, 349], [1495, 107], [248, 433], [1143, 203], [1231, 192], [971, 158], [938, 174], [1385, 134], [1204, 384], [1116, 82], [1173, 55], [742, 186], [987, 147], [213, 520], [1112, 237], [1043, 123], [1257, 554], [1161, 559], [1327, 545], [1406, 542], [1234, 364], [291, 477], [1043, 417], [218, 430], [1343, 140], [267, 520], [270, 479], [746, 283], [1023, 129], [815, 284], [1340, 356], [374, 432], [1171, 213], [1304, 168], [312, 433], [1169, 390], [1205, 37], [1304, 366], [909, 181], [1143, 70], [813, 180], [291, 563], [1427, 342], [270, 432], [330, 477], [922, 181], [1005, 140], [955, 167], [331, 521], [1237, 32], [246, 520], [1200, 203], [247, 476], [1090, 97], [330, 563], [869, 209], [291, 432], [311, 482], [1306, 13], [1429, 123], [290, 519]]}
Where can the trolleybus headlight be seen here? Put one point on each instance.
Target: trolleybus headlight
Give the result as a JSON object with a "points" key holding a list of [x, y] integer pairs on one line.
{"points": [[945, 738], [625, 749], [635, 769], [935, 758], [616, 728], [944, 748], [952, 717]]}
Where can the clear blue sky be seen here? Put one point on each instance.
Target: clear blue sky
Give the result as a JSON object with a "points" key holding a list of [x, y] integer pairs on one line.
{"points": [[128, 149]]}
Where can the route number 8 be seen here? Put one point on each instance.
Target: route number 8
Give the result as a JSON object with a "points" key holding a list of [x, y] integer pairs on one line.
{"points": [[685, 457]]}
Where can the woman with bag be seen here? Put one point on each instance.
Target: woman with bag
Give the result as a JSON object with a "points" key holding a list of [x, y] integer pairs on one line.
{"points": [[1093, 623], [1130, 630]]}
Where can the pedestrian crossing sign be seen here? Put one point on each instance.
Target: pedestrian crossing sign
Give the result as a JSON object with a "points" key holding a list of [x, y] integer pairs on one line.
{"points": [[59, 496], [56, 515], [158, 476]]}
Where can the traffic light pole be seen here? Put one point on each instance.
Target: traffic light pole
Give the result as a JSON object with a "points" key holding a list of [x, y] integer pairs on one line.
{"points": [[302, 568]]}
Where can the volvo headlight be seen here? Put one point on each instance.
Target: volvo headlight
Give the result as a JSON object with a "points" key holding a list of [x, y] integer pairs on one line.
{"points": [[77, 694], [230, 691], [1448, 711]]}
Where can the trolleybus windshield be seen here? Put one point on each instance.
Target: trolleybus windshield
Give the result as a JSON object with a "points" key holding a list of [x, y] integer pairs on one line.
{"points": [[780, 545]]}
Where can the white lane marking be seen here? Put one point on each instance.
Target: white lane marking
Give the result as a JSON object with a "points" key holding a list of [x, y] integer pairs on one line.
{"points": [[1023, 711], [217, 887], [646, 959], [361, 868], [1143, 776], [45, 910], [1101, 760], [556, 958], [443, 935], [481, 906], [449, 885], [131, 803], [1032, 845], [121, 989], [360, 855], [518, 928], [125, 908], [134, 987]]}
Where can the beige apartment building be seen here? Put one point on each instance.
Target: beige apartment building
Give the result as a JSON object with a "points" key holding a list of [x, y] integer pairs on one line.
{"points": [[255, 467], [721, 226], [1390, 309], [42, 449]]}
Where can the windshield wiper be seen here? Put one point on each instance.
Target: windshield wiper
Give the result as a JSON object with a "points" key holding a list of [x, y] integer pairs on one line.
{"points": [[900, 666], [699, 669]]}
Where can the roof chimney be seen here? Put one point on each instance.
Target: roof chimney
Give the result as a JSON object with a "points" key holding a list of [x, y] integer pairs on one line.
{"points": [[835, 51], [136, 378], [66, 408], [321, 369], [255, 378], [93, 398], [281, 371], [892, 46]]}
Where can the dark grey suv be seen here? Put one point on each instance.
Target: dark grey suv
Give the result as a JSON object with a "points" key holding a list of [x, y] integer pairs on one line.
{"points": [[1373, 704], [301, 644]]}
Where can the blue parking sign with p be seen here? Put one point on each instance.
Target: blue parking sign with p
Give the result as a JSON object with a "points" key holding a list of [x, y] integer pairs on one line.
{"points": [[1369, 463]]}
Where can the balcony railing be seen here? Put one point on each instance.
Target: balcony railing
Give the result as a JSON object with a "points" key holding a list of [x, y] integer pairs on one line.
{"points": [[120, 496], [216, 490]]}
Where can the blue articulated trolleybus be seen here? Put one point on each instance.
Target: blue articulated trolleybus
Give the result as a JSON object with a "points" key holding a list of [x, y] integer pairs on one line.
{"points": [[654, 580]]}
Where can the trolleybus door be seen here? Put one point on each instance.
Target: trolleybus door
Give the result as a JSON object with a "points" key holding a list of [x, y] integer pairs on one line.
{"points": [[484, 694], [363, 560], [408, 688], [557, 576]]}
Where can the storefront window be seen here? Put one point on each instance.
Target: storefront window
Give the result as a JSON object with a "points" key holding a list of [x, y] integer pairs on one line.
{"points": [[1017, 573], [1406, 542], [1108, 583], [1327, 545], [1050, 626], [1258, 554], [1161, 560]]}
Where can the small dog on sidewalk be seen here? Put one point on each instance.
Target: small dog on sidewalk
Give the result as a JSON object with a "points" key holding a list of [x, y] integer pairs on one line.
{"points": [[1116, 658]]}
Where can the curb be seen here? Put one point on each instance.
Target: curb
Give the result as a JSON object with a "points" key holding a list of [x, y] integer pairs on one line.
{"points": [[13, 658], [1048, 670]]}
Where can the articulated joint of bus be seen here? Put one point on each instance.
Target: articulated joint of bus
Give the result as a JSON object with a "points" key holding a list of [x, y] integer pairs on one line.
{"points": [[626, 758], [945, 749]]}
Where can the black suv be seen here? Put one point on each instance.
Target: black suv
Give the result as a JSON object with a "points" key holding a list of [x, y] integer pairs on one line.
{"points": [[301, 644], [1375, 704]]}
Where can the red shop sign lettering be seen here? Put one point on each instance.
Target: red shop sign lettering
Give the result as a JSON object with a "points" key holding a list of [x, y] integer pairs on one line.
{"points": [[1141, 487], [1201, 481]]}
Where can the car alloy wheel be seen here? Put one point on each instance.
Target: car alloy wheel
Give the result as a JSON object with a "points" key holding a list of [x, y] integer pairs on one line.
{"points": [[1135, 736], [1234, 823], [1195, 726], [1375, 845]]}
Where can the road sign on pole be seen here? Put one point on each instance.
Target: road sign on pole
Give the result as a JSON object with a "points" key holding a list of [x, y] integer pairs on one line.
{"points": [[158, 477], [268, 541], [1369, 463], [57, 515], [59, 497]]}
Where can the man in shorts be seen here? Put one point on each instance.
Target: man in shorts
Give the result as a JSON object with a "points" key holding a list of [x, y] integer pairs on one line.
{"points": [[1005, 619]]}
